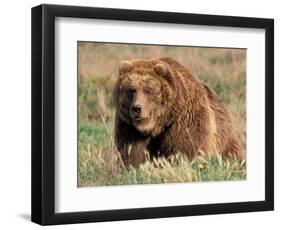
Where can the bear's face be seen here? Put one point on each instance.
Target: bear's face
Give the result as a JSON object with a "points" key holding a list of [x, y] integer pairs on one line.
{"points": [[140, 98]]}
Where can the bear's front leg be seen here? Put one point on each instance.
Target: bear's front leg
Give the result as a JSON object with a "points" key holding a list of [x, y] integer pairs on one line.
{"points": [[133, 153], [131, 145], [137, 153]]}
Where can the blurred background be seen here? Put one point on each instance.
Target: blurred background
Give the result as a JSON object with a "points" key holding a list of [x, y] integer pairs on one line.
{"points": [[223, 70]]}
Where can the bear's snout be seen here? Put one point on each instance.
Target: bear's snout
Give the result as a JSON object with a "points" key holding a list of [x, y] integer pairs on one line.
{"points": [[136, 110]]}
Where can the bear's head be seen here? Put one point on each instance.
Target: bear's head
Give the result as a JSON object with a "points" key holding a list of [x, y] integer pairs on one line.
{"points": [[142, 94]]}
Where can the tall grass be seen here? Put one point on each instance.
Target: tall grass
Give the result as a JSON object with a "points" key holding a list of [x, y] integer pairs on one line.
{"points": [[224, 70]]}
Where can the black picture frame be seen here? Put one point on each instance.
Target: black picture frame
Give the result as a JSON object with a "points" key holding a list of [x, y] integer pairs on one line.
{"points": [[43, 114]]}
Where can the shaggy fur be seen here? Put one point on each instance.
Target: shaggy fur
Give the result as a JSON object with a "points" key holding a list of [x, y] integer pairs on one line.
{"points": [[181, 114]]}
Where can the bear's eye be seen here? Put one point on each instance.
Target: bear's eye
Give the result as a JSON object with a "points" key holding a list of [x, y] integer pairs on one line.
{"points": [[147, 91], [131, 91]]}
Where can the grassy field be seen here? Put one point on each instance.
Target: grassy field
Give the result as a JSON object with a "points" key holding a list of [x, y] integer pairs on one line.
{"points": [[224, 70]]}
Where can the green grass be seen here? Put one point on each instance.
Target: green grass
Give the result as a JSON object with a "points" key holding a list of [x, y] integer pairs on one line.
{"points": [[98, 164], [224, 70]]}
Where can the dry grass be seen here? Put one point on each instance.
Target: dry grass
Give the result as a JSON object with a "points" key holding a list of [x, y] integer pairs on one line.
{"points": [[224, 70], [101, 166]]}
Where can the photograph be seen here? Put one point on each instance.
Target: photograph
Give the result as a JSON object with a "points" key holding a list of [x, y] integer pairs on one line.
{"points": [[152, 114]]}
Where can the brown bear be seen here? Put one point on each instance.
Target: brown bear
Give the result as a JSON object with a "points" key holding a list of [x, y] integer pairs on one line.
{"points": [[162, 109]]}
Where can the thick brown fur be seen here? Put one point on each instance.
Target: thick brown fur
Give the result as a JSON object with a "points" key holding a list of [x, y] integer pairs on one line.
{"points": [[184, 115]]}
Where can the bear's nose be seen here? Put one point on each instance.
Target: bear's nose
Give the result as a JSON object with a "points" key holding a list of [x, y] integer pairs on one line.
{"points": [[136, 109]]}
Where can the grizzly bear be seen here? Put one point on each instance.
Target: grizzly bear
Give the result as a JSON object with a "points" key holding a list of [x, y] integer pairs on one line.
{"points": [[162, 109]]}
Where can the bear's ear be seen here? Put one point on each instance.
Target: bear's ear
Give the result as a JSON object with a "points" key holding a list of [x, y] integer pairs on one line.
{"points": [[161, 69], [125, 67]]}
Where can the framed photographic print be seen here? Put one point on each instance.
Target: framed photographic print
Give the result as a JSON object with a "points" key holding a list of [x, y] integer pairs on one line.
{"points": [[142, 114]]}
